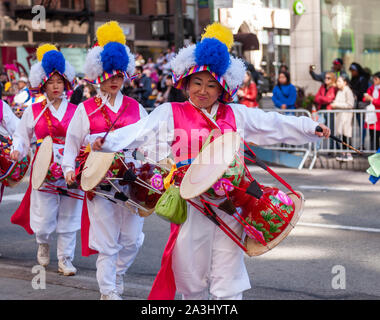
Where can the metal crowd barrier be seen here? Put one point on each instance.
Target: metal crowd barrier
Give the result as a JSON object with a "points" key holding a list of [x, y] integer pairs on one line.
{"points": [[306, 148], [362, 139], [361, 136]]}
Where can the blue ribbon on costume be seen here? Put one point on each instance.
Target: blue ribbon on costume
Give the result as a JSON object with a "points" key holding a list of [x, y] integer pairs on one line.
{"points": [[374, 179], [184, 163]]}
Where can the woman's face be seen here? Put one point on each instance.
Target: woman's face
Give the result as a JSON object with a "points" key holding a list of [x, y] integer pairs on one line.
{"points": [[354, 73], [54, 86], [282, 79], [86, 92], [247, 78], [328, 80], [203, 89], [169, 82], [376, 81], [112, 85], [340, 83]]}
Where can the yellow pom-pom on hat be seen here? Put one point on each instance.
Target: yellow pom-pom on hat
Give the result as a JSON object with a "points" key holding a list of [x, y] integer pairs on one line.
{"points": [[110, 32], [220, 32], [41, 50]]}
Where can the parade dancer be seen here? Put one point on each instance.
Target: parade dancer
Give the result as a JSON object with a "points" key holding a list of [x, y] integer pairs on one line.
{"points": [[200, 261], [8, 120], [8, 124], [40, 212], [113, 231]]}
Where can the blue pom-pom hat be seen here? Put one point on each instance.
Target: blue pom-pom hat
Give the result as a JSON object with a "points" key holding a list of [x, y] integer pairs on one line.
{"points": [[51, 61], [110, 56], [210, 54]]}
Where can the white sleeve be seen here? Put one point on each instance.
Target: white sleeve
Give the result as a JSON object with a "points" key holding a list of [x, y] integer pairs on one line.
{"points": [[266, 128], [76, 136], [21, 97], [10, 120], [24, 133], [143, 112], [155, 130]]}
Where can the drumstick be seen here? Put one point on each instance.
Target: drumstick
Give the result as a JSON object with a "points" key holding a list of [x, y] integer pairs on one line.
{"points": [[262, 165], [130, 176], [74, 184], [146, 159], [319, 129]]}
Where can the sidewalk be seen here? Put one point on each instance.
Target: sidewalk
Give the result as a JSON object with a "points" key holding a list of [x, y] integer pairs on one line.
{"points": [[324, 161], [16, 284], [360, 163]]}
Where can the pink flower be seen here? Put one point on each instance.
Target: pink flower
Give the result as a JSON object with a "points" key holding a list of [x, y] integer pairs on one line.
{"points": [[56, 170], [221, 185], [157, 182], [283, 197]]}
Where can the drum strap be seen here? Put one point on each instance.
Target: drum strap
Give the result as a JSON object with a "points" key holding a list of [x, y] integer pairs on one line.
{"points": [[211, 124], [213, 128], [47, 116], [106, 115]]}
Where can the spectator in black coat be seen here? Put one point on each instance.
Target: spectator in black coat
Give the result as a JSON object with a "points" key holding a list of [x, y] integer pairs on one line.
{"points": [[359, 81], [359, 85]]}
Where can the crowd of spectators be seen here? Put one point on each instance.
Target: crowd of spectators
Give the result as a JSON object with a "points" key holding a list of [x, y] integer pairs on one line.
{"points": [[153, 85], [360, 91]]}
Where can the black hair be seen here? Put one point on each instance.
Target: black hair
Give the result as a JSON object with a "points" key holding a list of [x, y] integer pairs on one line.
{"points": [[356, 66], [377, 74], [345, 77], [287, 75]]}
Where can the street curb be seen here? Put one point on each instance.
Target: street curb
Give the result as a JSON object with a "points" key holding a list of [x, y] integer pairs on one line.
{"points": [[329, 162]]}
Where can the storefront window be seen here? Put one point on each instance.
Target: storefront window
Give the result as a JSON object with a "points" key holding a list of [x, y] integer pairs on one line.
{"points": [[282, 4], [134, 7], [100, 5], [276, 51], [350, 30]]}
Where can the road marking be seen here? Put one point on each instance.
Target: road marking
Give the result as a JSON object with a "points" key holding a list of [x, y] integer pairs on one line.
{"points": [[14, 197], [308, 187], [332, 226]]}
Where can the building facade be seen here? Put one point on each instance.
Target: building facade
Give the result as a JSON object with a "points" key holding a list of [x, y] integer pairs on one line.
{"points": [[149, 25], [326, 30], [270, 21], [331, 29]]}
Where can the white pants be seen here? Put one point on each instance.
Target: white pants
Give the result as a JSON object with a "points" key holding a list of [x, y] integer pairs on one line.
{"points": [[116, 233], [53, 212], [65, 243], [206, 261]]}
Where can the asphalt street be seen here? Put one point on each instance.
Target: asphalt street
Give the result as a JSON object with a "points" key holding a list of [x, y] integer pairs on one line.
{"points": [[333, 253]]}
